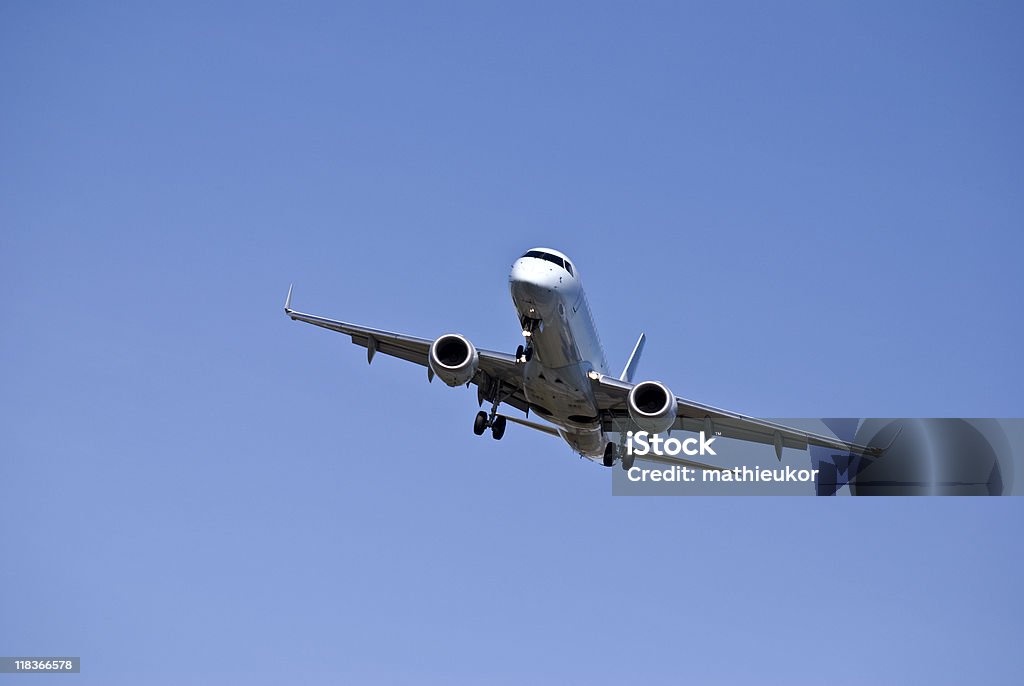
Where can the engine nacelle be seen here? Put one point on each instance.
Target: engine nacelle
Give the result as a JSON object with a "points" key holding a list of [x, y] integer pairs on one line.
{"points": [[652, 407], [453, 359]]}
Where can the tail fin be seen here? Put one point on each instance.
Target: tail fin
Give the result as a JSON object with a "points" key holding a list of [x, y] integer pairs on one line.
{"points": [[634, 359]]}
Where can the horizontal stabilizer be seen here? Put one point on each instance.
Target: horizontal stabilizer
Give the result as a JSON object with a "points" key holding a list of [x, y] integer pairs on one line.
{"points": [[543, 428]]}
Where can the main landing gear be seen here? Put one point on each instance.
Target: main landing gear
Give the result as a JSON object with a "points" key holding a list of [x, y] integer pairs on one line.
{"points": [[482, 421], [613, 452], [492, 420], [609, 455], [627, 461], [497, 393]]}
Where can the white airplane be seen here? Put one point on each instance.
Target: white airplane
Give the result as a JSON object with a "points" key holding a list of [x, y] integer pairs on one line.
{"points": [[560, 374]]}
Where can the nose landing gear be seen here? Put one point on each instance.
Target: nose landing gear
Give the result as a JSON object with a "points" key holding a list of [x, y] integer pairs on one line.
{"points": [[525, 354]]}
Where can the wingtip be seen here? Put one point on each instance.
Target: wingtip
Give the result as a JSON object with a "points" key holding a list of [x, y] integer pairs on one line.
{"points": [[288, 300], [892, 440], [878, 451]]}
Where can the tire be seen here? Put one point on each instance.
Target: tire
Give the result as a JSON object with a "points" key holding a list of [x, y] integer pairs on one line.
{"points": [[519, 353], [528, 353], [627, 461], [480, 423], [498, 430], [609, 455]]}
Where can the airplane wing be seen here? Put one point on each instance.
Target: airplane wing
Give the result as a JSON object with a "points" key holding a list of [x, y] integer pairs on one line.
{"points": [[498, 372], [660, 459], [673, 460], [611, 396]]}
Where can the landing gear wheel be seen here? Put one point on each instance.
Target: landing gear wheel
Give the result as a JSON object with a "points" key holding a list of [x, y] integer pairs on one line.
{"points": [[627, 461], [519, 354], [609, 455], [528, 353], [480, 423], [498, 428]]}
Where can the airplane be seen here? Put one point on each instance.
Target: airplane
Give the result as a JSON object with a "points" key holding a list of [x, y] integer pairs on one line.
{"points": [[560, 374]]}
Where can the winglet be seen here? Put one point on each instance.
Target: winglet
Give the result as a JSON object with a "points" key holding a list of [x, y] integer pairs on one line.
{"points": [[892, 440], [634, 360], [288, 300]]}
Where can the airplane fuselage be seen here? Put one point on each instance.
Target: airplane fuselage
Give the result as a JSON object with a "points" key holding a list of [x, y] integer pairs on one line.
{"points": [[553, 310]]}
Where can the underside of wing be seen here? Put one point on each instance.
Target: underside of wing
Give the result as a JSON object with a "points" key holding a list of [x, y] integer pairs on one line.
{"points": [[498, 375], [613, 394]]}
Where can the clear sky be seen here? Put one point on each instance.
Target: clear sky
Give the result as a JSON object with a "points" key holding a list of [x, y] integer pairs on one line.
{"points": [[813, 209]]}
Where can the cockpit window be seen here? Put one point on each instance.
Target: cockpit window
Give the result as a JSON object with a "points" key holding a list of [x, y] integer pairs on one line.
{"points": [[568, 268], [554, 259]]}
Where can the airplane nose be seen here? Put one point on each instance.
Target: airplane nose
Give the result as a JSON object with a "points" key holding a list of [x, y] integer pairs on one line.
{"points": [[534, 286]]}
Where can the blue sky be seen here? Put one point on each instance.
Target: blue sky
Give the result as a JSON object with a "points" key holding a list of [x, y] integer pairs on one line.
{"points": [[812, 210]]}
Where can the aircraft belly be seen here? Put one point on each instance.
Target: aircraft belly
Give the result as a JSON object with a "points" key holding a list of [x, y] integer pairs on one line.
{"points": [[587, 442], [563, 393], [564, 397]]}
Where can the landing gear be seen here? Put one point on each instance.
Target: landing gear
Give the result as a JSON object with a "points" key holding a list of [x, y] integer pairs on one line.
{"points": [[492, 420], [498, 427], [609, 455], [480, 423], [529, 327], [627, 460]]}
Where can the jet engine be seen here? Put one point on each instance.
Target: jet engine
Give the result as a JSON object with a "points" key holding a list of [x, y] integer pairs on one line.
{"points": [[453, 359], [652, 407]]}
